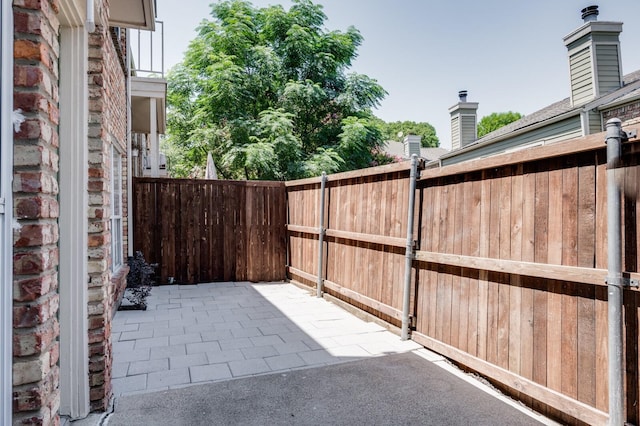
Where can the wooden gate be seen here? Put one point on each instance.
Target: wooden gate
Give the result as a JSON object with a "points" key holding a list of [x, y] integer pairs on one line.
{"points": [[208, 230]]}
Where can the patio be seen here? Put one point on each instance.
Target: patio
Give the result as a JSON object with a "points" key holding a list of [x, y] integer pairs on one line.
{"points": [[211, 332], [208, 334]]}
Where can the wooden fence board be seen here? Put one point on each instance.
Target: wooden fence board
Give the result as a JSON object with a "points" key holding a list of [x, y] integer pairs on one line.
{"points": [[509, 270], [203, 231]]}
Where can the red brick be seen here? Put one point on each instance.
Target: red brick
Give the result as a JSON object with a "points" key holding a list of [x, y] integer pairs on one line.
{"points": [[29, 4], [35, 262], [37, 235], [35, 182], [37, 340], [96, 172], [30, 289], [30, 23], [34, 396], [27, 76], [36, 207], [30, 50], [97, 240], [30, 102], [96, 322], [36, 313]]}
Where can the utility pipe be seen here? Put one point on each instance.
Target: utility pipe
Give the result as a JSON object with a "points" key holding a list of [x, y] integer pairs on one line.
{"points": [[409, 250], [90, 23], [321, 232], [130, 242], [614, 276]]}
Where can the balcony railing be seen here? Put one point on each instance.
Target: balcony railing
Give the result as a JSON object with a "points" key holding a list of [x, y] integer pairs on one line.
{"points": [[147, 48]]}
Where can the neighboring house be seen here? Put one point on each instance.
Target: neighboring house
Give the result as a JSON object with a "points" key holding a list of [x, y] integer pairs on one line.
{"points": [[66, 114], [598, 91], [411, 145]]}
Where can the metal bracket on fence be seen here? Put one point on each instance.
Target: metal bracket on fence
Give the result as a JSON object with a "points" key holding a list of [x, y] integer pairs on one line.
{"points": [[624, 282]]}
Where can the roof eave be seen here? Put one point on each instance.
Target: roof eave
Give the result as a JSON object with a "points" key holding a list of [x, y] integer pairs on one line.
{"points": [[138, 14], [517, 132]]}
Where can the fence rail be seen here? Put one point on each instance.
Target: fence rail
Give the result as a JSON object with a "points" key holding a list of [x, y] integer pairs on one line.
{"points": [[509, 268], [208, 230]]}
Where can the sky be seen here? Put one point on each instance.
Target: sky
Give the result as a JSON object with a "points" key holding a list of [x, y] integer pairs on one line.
{"points": [[508, 54]]}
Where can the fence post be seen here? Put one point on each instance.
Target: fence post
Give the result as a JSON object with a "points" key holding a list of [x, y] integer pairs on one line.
{"points": [[321, 232], [409, 250], [614, 276]]}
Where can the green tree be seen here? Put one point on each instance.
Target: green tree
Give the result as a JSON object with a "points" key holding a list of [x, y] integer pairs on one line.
{"points": [[267, 92], [494, 121], [397, 130]]}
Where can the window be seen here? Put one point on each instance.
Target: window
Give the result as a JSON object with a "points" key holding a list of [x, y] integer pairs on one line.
{"points": [[116, 209]]}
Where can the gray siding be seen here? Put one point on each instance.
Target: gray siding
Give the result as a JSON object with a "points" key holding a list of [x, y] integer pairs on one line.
{"points": [[562, 130], [455, 132], [595, 122], [608, 68], [581, 76], [468, 130]]}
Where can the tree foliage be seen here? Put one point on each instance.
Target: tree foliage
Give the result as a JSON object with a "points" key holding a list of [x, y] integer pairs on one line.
{"points": [[396, 131], [267, 92], [494, 121]]}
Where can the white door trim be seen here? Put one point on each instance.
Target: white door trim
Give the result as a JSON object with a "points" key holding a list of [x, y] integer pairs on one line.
{"points": [[73, 222], [6, 210]]}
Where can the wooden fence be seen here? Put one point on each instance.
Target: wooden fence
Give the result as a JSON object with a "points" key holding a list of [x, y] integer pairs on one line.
{"points": [[509, 271], [208, 230]]}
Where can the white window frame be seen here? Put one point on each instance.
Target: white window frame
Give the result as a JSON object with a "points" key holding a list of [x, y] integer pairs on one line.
{"points": [[117, 246], [6, 207]]}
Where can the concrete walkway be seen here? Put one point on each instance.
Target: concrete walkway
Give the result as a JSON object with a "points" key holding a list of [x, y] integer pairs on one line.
{"points": [[211, 332]]}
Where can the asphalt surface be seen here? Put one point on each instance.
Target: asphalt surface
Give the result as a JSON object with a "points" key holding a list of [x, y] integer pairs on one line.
{"points": [[397, 389]]}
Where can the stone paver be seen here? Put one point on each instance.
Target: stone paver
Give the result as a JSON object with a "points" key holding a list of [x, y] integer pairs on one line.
{"points": [[220, 331]]}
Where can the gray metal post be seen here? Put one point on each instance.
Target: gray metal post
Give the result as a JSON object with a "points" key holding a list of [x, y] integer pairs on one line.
{"points": [[409, 250], [614, 276], [321, 231]]}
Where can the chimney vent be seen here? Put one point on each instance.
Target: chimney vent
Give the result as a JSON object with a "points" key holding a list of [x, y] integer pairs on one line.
{"points": [[462, 95], [590, 13]]}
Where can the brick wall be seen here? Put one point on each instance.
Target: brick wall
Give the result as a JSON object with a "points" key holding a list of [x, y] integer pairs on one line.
{"points": [[107, 128], [625, 113], [35, 343]]}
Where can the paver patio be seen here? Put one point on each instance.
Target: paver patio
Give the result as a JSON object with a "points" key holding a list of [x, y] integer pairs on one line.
{"points": [[203, 333]]}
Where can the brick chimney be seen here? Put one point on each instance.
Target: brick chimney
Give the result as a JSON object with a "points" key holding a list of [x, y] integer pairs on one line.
{"points": [[595, 64], [464, 122]]}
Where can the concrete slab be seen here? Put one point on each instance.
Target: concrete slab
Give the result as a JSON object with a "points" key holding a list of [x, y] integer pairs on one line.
{"points": [[397, 389]]}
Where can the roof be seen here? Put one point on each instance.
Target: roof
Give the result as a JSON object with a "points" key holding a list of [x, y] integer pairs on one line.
{"points": [[628, 91], [396, 149]]}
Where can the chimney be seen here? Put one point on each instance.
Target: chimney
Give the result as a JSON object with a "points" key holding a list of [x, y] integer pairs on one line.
{"points": [[412, 145], [464, 122], [595, 64]]}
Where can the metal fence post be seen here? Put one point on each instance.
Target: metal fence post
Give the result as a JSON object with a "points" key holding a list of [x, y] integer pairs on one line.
{"points": [[321, 231], [409, 250], [614, 276]]}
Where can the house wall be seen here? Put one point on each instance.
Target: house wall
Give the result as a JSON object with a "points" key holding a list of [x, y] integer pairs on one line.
{"points": [[107, 128], [35, 340], [36, 372], [625, 113], [566, 129]]}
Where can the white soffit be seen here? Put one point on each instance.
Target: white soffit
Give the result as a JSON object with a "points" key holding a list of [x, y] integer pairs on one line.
{"points": [[142, 91], [138, 14]]}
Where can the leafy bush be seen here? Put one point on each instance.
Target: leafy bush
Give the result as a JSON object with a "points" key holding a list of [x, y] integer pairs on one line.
{"points": [[139, 280]]}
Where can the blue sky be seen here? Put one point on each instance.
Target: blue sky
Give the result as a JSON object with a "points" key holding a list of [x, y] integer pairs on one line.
{"points": [[508, 54]]}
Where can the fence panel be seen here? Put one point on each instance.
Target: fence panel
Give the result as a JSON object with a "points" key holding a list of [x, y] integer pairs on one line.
{"points": [[509, 271], [365, 222], [205, 230]]}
